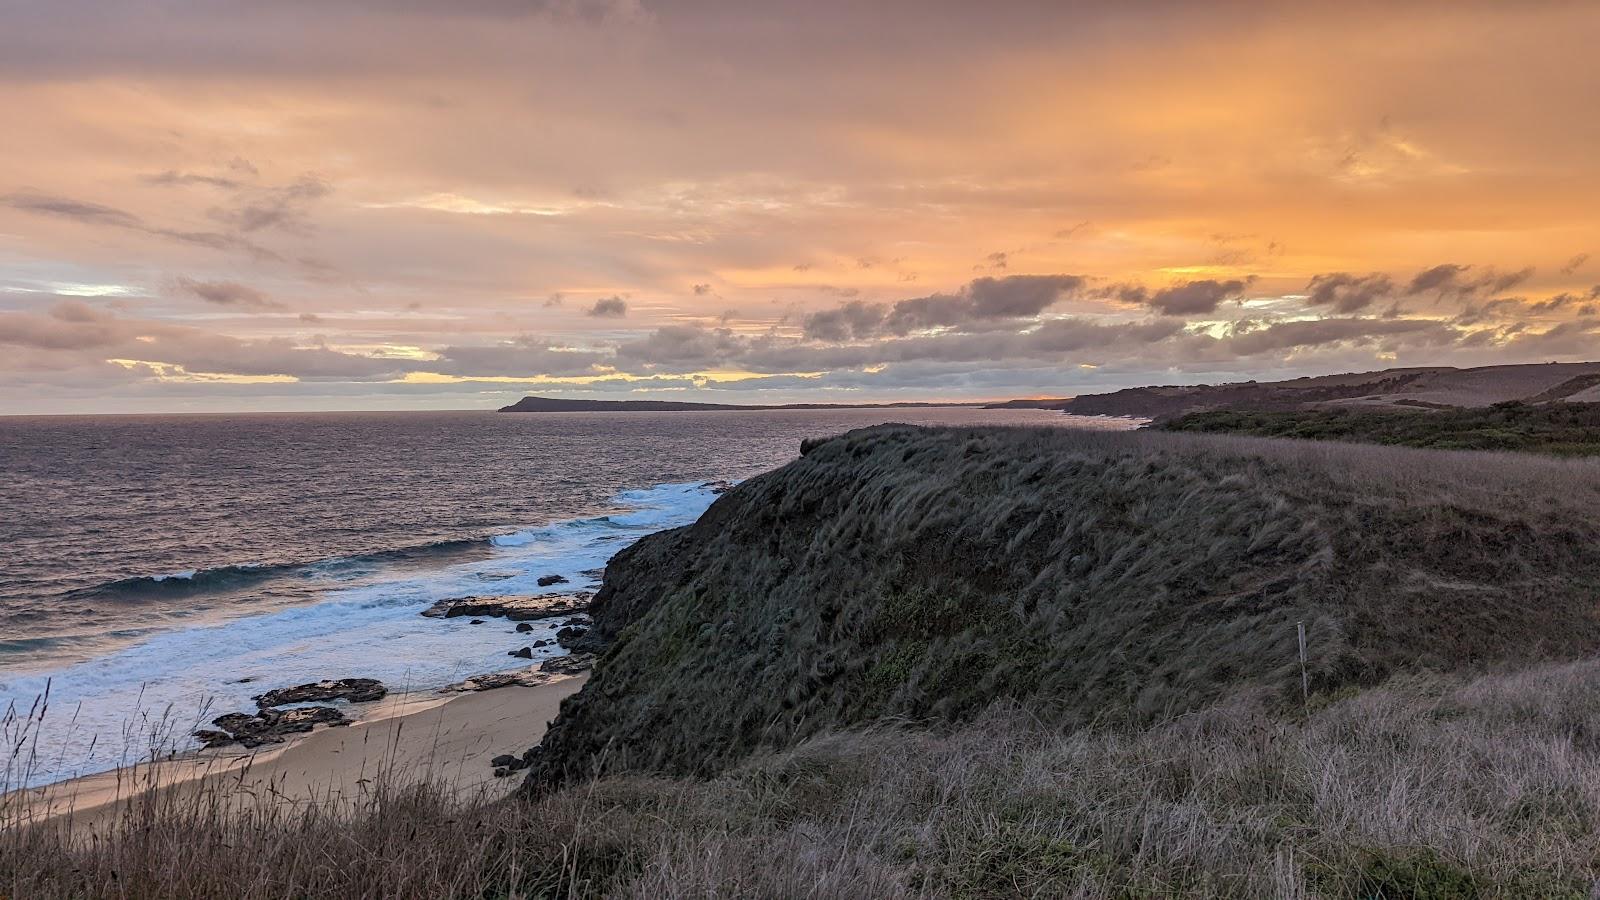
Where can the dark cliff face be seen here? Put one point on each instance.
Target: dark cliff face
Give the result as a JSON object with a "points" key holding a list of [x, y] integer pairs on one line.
{"points": [[926, 573]]}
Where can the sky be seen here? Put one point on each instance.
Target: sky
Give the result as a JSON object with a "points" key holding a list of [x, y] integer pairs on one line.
{"points": [[399, 204]]}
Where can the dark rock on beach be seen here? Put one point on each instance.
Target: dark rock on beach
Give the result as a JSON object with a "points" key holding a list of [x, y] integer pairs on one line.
{"points": [[524, 653], [353, 690], [569, 635], [568, 665], [491, 680], [523, 628], [517, 609], [267, 726], [506, 764], [538, 644], [547, 580]]}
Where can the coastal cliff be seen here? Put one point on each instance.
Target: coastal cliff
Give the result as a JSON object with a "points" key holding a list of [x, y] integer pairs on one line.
{"points": [[926, 574]]}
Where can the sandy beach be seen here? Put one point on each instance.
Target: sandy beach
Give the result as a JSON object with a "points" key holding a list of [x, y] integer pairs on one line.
{"points": [[404, 738]]}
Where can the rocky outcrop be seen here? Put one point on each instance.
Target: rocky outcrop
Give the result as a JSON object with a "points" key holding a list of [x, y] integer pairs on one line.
{"points": [[352, 690], [547, 580], [515, 608], [267, 726]]}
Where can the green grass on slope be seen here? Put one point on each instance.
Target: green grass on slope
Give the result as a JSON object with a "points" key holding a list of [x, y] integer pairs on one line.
{"points": [[1564, 429], [924, 574]]}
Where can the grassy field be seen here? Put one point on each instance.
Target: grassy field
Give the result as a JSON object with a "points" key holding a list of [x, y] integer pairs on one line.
{"points": [[1014, 663], [1429, 787], [1562, 429]]}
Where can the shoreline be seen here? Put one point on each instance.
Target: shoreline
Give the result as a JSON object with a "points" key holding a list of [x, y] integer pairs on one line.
{"points": [[402, 739]]}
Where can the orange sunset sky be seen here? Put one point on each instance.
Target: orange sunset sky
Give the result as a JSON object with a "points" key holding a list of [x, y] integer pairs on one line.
{"points": [[374, 204]]}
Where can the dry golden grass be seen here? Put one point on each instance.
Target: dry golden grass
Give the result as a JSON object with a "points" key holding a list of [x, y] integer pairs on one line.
{"points": [[1430, 788]]}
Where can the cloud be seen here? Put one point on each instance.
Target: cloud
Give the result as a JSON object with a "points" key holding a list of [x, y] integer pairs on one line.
{"points": [[97, 214], [700, 290], [283, 207], [609, 308], [69, 325], [982, 301], [1196, 297], [526, 356], [1188, 298], [66, 208], [854, 320], [1347, 293], [227, 293], [1574, 264], [1452, 280], [683, 348], [172, 177], [75, 333], [1260, 339]]}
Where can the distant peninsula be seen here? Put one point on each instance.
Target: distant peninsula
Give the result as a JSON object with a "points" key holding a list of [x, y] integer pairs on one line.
{"points": [[554, 404]]}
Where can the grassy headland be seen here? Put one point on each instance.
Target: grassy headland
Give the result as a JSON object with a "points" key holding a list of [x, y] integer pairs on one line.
{"points": [[1001, 663], [924, 574], [1564, 429]]}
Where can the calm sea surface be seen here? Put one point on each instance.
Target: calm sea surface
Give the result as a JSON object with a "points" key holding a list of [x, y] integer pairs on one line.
{"points": [[148, 563]]}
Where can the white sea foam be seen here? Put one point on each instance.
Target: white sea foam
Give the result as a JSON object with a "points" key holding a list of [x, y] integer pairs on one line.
{"points": [[185, 575], [103, 711]]}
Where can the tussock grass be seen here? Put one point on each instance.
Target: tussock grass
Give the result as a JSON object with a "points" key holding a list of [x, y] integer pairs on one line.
{"points": [[1429, 787], [1093, 577], [1564, 429]]}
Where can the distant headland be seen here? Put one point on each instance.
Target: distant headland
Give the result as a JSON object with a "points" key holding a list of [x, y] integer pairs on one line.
{"points": [[553, 404]]}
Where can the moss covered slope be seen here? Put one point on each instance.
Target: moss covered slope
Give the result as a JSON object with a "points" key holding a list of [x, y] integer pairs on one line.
{"points": [[926, 573]]}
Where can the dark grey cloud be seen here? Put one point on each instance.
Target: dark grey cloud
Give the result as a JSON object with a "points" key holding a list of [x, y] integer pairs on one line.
{"points": [[855, 320], [1019, 295], [1574, 264], [1190, 298], [983, 300], [227, 293], [172, 177], [69, 325], [1452, 280], [1440, 277], [683, 348], [67, 208], [1196, 297], [609, 308], [1258, 339], [1347, 293], [106, 216], [283, 207]]}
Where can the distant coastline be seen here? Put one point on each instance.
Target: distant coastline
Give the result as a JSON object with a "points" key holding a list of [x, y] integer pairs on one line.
{"points": [[554, 404]]}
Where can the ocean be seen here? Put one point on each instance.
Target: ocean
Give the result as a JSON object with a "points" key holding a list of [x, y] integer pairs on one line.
{"points": [[157, 571]]}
